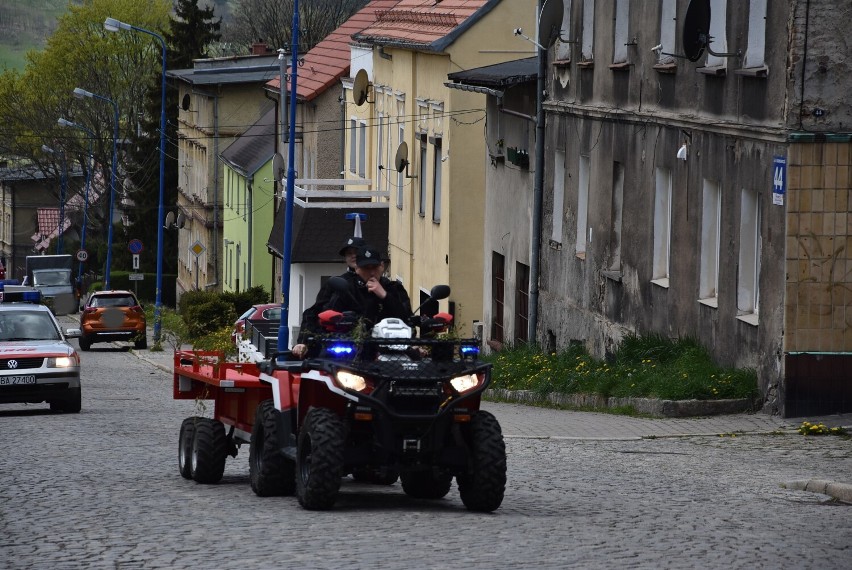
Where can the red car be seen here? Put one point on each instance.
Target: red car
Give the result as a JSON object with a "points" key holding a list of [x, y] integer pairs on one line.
{"points": [[264, 312]]}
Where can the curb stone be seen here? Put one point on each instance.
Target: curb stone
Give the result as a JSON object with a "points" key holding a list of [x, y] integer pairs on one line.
{"points": [[649, 406], [840, 491]]}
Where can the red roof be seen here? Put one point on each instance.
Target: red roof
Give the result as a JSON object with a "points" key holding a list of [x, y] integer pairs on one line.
{"points": [[421, 22], [328, 61]]}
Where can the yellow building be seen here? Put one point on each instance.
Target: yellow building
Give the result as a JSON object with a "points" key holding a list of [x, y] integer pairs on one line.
{"points": [[437, 199]]}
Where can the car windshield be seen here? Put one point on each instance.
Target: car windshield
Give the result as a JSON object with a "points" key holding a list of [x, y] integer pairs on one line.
{"points": [[48, 278], [27, 325], [112, 301]]}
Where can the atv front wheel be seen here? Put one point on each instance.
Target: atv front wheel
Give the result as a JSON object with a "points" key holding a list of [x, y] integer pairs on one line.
{"points": [[319, 460], [426, 484], [270, 472], [482, 486], [209, 451]]}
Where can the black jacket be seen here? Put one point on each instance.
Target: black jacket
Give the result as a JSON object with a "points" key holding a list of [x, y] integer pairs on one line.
{"points": [[358, 299]]}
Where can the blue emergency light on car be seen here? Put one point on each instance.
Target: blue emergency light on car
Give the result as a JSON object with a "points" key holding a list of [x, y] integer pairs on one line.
{"points": [[20, 294]]}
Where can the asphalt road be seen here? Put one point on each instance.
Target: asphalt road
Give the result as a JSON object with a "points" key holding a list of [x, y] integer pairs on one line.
{"points": [[100, 489]]}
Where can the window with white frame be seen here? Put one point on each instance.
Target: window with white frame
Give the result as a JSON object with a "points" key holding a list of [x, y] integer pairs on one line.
{"points": [[662, 226], [362, 149], [353, 143], [400, 175], [563, 43], [422, 116], [711, 224], [421, 179], [582, 204], [668, 24], [616, 214], [587, 45], [718, 33], [558, 195], [437, 164], [622, 30], [755, 55], [750, 246], [380, 151]]}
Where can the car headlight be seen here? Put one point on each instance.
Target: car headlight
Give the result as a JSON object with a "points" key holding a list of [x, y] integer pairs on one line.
{"points": [[351, 381], [465, 383], [62, 362]]}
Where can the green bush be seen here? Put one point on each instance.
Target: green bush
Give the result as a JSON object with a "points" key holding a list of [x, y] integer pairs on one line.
{"points": [[205, 312], [243, 300]]}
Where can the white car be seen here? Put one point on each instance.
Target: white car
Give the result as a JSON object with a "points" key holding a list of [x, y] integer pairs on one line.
{"points": [[37, 364]]}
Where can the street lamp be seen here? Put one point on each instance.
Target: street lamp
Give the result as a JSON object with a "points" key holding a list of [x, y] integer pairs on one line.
{"points": [[113, 25], [59, 229], [73, 125], [79, 94]]}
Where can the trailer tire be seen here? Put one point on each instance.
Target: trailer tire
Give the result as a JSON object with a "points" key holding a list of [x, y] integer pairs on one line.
{"points": [[319, 459], [270, 471], [426, 484], [209, 451], [483, 485], [185, 440]]}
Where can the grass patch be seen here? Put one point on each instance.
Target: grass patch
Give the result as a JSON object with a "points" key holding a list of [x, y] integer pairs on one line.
{"points": [[648, 367]]}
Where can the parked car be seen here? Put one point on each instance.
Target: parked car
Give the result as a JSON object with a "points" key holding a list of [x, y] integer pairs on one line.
{"points": [[262, 312], [113, 315], [37, 364]]}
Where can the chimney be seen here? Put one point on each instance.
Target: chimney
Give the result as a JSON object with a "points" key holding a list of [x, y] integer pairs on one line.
{"points": [[259, 48]]}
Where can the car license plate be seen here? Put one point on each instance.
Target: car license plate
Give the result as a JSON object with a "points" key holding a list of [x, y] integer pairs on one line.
{"points": [[14, 380]]}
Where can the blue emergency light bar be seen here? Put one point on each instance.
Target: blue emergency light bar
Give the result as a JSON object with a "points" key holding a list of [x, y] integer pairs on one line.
{"points": [[20, 294], [469, 350], [341, 349]]}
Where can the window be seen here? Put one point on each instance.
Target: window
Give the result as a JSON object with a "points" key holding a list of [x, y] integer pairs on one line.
{"points": [[353, 143], [582, 205], [718, 37], [711, 223], [558, 195], [421, 179], [668, 23], [362, 149], [749, 266], [620, 37], [437, 163], [400, 176], [755, 55], [662, 226], [522, 302], [498, 279], [588, 31], [563, 45], [616, 216]]}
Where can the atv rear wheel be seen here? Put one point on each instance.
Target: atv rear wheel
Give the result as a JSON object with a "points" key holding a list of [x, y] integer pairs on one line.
{"points": [[187, 435], [209, 451], [270, 472], [426, 484], [319, 462], [482, 487]]}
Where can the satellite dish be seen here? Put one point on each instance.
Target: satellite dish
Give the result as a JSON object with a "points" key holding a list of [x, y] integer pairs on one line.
{"points": [[360, 88], [181, 220], [278, 166], [696, 29], [550, 22], [184, 103], [401, 160], [170, 218]]}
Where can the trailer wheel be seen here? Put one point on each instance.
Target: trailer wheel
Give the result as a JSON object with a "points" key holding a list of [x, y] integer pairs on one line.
{"points": [[482, 486], [270, 471], [426, 484], [187, 434], [319, 461], [209, 451]]}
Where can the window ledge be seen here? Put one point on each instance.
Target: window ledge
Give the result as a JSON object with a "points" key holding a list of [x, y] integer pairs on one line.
{"points": [[748, 318], [621, 66], [562, 63], [667, 68], [662, 282], [586, 64], [760, 72], [613, 275], [715, 70], [581, 255], [712, 302]]}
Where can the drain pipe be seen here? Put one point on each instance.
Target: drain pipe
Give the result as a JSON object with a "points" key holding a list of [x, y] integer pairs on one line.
{"points": [[538, 191]]}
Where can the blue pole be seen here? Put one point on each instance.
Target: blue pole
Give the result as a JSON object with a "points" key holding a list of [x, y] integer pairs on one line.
{"points": [[283, 332], [108, 272], [85, 210]]}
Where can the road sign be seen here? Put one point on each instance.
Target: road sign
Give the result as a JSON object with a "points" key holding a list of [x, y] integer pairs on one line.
{"points": [[82, 255], [135, 246], [779, 179], [136, 276], [135, 261], [197, 248]]}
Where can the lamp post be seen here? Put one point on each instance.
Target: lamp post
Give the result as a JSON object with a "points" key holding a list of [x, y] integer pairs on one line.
{"points": [[113, 25], [80, 93], [59, 229], [67, 123]]}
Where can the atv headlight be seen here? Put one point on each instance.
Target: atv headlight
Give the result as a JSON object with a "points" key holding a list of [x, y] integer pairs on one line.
{"points": [[464, 383], [351, 381]]}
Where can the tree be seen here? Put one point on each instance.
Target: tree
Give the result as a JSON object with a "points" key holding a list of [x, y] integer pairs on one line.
{"points": [[190, 33], [271, 21]]}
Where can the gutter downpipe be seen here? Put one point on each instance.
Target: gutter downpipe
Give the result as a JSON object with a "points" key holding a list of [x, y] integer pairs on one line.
{"points": [[538, 191]]}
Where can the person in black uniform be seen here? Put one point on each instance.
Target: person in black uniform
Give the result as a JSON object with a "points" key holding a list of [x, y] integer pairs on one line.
{"points": [[370, 294]]}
